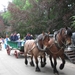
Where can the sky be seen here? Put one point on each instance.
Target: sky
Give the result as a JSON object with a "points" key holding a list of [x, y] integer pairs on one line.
{"points": [[4, 3]]}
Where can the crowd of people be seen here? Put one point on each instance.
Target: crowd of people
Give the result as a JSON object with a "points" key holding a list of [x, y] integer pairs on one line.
{"points": [[16, 38]]}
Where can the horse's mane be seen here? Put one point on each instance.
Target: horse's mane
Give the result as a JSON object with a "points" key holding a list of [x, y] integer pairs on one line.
{"points": [[68, 31], [42, 36]]}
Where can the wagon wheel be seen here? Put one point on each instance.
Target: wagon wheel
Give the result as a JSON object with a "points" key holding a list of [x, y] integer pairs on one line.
{"points": [[8, 50], [16, 54]]}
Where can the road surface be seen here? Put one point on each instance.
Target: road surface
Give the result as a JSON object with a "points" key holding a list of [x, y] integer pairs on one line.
{"points": [[9, 65]]}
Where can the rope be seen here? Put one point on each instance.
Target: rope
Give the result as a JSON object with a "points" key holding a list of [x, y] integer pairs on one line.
{"points": [[32, 48], [55, 52]]}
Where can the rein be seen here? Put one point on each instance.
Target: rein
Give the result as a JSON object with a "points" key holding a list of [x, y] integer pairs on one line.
{"points": [[60, 39], [63, 43], [55, 52], [57, 43], [37, 44], [32, 48]]}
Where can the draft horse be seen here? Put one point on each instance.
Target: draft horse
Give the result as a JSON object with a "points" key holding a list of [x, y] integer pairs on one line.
{"points": [[36, 48], [57, 45]]}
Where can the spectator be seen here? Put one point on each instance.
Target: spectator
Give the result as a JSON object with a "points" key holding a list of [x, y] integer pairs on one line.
{"points": [[12, 37], [32, 37], [28, 37], [18, 35], [5, 41], [15, 37]]}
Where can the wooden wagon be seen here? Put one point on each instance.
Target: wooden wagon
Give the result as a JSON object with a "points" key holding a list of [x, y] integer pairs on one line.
{"points": [[11, 45]]}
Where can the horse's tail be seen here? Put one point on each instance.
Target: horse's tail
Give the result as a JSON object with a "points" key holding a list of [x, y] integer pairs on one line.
{"points": [[25, 48]]}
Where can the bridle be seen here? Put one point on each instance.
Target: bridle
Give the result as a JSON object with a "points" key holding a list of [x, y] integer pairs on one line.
{"points": [[60, 44], [63, 41]]}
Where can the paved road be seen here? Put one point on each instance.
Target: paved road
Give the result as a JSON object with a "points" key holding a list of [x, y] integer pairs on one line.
{"points": [[9, 65]]}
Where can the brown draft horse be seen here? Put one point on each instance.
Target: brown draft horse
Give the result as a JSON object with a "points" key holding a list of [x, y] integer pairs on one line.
{"points": [[57, 45], [36, 48]]}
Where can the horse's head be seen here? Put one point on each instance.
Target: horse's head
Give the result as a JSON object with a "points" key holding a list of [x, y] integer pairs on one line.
{"points": [[66, 34], [43, 41]]}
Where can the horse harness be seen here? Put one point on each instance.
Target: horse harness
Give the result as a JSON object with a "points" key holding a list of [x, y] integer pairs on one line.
{"points": [[57, 44], [38, 46]]}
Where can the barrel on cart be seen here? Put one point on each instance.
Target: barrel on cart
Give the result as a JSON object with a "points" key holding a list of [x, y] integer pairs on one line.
{"points": [[18, 48]]}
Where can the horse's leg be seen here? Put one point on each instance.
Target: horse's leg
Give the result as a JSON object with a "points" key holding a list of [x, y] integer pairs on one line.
{"points": [[36, 61], [50, 57], [53, 64], [26, 61], [63, 63], [43, 60], [32, 63], [54, 67]]}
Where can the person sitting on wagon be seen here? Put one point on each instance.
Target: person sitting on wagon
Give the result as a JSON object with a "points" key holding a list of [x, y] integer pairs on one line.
{"points": [[12, 37], [28, 37], [15, 37]]}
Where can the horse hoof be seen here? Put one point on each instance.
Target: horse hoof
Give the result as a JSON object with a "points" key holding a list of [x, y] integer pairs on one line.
{"points": [[56, 73], [26, 62], [61, 66], [32, 64], [43, 64], [38, 70]]}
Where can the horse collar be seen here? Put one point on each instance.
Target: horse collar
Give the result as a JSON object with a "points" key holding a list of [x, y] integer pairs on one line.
{"points": [[38, 46]]}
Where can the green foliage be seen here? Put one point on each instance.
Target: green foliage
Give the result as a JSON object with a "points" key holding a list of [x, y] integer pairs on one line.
{"points": [[27, 5], [22, 4], [19, 3], [73, 22], [35, 16], [6, 15]]}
